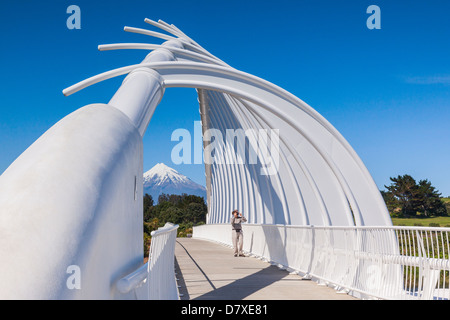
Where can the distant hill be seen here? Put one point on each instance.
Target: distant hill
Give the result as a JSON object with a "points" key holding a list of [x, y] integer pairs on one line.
{"points": [[163, 179]]}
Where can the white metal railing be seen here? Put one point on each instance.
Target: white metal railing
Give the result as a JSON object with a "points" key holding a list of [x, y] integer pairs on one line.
{"points": [[368, 262], [155, 280]]}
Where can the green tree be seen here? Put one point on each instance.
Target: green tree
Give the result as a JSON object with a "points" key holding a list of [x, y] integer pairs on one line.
{"points": [[392, 203], [430, 200], [172, 214], [185, 210], [147, 239], [195, 212], [407, 197], [148, 207], [405, 191], [148, 201]]}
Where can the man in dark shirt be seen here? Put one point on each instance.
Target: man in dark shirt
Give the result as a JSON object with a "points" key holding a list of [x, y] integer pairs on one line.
{"points": [[237, 234]]}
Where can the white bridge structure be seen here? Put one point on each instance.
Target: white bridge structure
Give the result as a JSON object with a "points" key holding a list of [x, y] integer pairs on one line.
{"points": [[311, 204]]}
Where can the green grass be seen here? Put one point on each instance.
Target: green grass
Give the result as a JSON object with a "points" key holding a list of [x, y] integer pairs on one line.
{"points": [[441, 221], [424, 221]]}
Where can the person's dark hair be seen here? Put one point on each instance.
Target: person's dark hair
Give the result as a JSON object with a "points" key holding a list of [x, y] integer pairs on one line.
{"points": [[234, 211]]}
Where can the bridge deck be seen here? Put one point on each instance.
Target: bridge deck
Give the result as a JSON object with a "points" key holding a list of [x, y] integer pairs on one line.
{"points": [[209, 271]]}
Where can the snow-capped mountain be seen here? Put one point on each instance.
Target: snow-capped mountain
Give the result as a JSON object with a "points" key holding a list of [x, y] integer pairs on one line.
{"points": [[163, 179]]}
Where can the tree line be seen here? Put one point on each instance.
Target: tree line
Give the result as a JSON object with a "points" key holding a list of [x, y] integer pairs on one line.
{"points": [[185, 210], [405, 197]]}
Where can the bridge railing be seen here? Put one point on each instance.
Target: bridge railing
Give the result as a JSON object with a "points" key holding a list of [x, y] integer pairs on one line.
{"points": [[155, 280], [367, 262]]}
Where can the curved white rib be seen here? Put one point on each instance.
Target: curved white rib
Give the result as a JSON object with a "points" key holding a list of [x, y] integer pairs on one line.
{"points": [[149, 33], [294, 183], [180, 53], [255, 122], [206, 76], [172, 30], [343, 186], [273, 109], [183, 35], [167, 37], [227, 71], [320, 181], [165, 28]]}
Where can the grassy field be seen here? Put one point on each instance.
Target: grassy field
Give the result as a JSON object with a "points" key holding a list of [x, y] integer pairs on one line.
{"points": [[425, 222]]}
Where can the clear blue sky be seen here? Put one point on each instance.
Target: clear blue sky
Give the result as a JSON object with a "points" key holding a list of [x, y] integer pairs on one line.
{"points": [[387, 91]]}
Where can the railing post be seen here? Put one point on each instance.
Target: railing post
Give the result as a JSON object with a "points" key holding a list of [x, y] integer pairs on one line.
{"points": [[381, 262]]}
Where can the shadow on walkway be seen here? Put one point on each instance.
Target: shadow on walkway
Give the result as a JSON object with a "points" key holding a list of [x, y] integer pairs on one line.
{"points": [[209, 271], [244, 287]]}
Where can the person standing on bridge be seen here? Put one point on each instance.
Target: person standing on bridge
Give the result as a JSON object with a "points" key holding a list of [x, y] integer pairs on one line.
{"points": [[237, 234]]}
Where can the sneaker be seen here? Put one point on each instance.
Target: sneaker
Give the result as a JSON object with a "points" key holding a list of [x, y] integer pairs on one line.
{"points": [[241, 255], [235, 255]]}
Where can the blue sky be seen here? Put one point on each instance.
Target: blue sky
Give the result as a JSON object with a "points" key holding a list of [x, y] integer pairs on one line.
{"points": [[387, 91]]}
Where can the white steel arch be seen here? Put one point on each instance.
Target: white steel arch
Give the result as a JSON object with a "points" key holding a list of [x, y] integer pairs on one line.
{"points": [[329, 185], [318, 178]]}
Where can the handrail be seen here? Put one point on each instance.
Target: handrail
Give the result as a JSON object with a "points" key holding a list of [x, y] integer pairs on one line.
{"points": [[133, 280], [168, 227], [161, 280], [158, 273], [350, 227], [384, 262]]}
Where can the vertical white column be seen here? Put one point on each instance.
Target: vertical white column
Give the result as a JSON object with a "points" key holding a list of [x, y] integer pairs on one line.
{"points": [[142, 89]]}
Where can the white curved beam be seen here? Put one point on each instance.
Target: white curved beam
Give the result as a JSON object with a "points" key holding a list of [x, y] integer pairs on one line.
{"points": [[343, 189], [255, 121], [228, 177], [242, 78], [294, 182], [198, 75], [180, 53], [253, 173], [164, 27], [167, 37], [149, 33], [172, 30], [183, 35], [233, 90], [321, 179]]}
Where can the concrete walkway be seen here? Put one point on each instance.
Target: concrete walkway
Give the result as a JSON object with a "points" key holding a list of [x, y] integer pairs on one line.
{"points": [[209, 271]]}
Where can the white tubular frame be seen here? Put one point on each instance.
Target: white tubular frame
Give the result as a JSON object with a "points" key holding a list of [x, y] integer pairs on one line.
{"points": [[321, 180], [262, 94]]}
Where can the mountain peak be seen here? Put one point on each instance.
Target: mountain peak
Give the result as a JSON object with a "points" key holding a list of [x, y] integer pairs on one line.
{"points": [[161, 173], [161, 169], [161, 166], [163, 179]]}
